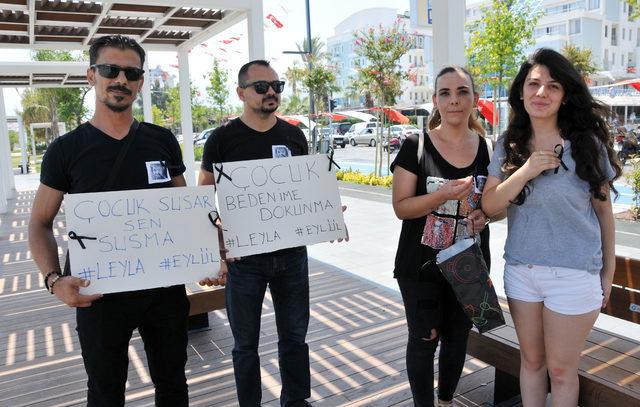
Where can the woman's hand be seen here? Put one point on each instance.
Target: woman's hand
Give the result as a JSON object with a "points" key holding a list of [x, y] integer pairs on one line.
{"points": [[540, 161], [457, 189], [606, 282], [476, 221]]}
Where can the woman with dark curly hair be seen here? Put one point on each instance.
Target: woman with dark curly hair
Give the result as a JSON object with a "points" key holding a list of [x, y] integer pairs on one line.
{"points": [[553, 170]]}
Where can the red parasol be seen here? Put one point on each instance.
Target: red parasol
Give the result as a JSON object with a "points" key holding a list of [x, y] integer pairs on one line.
{"points": [[290, 120], [485, 107], [334, 116], [636, 84], [393, 115]]}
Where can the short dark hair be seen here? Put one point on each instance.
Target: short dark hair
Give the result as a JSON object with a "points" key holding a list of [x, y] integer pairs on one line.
{"points": [[114, 41], [242, 74]]}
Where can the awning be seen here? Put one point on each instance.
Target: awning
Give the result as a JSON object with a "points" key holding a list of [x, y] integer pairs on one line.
{"points": [[393, 115], [485, 107], [365, 117]]}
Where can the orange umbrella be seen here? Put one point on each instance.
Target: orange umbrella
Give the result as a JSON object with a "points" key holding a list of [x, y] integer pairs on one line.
{"points": [[393, 115], [485, 107]]}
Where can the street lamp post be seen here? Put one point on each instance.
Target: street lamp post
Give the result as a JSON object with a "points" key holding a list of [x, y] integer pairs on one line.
{"points": [[309, 53]]}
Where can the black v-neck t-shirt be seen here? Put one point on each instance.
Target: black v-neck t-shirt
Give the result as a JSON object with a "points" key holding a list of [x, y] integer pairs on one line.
{"points": [[433, 168]]}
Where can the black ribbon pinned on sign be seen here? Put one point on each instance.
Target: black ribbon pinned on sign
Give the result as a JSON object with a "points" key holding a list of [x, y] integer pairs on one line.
{"points": [[330, 157], [214, 217], [74, 236], [221, 173], [559, 150]]}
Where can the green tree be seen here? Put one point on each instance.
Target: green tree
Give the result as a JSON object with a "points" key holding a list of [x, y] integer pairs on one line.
{"points": [[200, 113], [294, 75], [380, 73], [217, 89], [634, 11], [580, 58], [60, 104], [14, 138], [316, 50], [498, 42], [295, 105], [320, 82]]}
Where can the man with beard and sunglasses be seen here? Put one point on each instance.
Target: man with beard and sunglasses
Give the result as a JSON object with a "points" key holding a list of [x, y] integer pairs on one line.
{"points": [[257, 134], [112, 152]]}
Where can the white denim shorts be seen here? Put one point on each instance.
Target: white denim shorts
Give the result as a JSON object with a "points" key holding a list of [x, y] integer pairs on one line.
{"points": [[563, 290]]}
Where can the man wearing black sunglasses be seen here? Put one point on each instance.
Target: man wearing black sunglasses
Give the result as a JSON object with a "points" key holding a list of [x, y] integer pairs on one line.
{"points": [[258, 133], [114, 152]]}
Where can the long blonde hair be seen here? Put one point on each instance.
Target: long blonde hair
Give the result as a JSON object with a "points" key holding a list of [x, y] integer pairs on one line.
{"points": [[435, 119]]}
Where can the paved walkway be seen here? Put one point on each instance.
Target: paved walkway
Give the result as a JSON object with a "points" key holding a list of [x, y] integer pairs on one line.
{"points": [[357, 332]]}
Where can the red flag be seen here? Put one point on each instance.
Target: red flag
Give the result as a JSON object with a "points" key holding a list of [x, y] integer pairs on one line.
{"points": [[274, 20]]}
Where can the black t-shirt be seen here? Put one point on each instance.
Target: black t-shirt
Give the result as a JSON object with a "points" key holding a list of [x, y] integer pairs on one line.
{"points": [[418, 245], [81, 160], [236, 141]]}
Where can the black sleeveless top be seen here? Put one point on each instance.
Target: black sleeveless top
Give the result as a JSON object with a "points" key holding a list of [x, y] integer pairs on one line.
{"points": [[419, 244]]}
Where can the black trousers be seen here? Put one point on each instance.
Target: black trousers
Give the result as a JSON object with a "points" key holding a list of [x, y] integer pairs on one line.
{"points": [[105, 329], [428, 305]]}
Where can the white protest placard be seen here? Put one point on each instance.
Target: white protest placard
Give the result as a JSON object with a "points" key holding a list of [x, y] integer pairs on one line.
{"points": [[272, 204], [141, 239]]}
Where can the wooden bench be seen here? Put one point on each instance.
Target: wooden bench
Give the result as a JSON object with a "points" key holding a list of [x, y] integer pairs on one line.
{"points": [[202, 301], [610, 364]]}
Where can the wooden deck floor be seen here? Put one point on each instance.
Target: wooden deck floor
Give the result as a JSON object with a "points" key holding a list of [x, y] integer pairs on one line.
{"points": [[357, 337]]}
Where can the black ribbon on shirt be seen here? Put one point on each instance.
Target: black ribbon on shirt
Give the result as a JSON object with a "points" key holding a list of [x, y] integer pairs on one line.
{"points": [[330, 157], [559, 150], [74, 236], [221, 173]]}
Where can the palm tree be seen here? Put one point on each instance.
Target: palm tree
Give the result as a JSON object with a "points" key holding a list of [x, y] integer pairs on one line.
{"points": [[316, 46], [294, 75]]}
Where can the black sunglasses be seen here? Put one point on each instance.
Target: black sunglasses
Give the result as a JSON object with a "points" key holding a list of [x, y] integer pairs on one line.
{"points": [[112, 71], [262, 87]]}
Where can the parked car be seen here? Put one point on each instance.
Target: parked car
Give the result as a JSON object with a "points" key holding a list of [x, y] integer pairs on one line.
{"points": [[340, 128], [201, 138], [403, 130], [358, 134], [365, 136]]}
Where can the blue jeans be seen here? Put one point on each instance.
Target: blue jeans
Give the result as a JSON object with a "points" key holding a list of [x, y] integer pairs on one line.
{"points": [[287, 275]]}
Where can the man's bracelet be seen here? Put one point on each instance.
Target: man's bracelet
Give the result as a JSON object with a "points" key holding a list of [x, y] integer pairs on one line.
{"points": [[46, 279], [54, 281]]}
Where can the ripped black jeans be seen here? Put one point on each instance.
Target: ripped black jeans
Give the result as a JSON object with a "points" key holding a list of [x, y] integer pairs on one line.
{"points": [[432, 304]]}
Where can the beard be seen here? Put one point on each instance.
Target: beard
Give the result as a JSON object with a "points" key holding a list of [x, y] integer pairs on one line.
{"points": [[266, 109], [117, 108]]}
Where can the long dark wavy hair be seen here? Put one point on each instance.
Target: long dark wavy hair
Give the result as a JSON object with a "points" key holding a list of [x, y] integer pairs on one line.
{"points": [[580, 120]]}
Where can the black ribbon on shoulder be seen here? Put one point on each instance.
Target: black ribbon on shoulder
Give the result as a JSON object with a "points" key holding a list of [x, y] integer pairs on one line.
{"points": [[74, 236], [330, 157], [559, 150], [221, 173]]}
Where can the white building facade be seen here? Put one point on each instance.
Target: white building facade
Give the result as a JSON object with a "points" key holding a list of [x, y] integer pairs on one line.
{"points": [[600, 25], [341, 47]]}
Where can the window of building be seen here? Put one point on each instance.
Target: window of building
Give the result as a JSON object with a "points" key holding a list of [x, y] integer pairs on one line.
{"points": [[613, 58], [594, 4], [624, 33], [606, 31], [624, 10], [574, 26]]}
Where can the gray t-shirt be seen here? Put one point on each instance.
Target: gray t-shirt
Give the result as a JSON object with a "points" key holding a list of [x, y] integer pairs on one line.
{"points": [[556, 225]]}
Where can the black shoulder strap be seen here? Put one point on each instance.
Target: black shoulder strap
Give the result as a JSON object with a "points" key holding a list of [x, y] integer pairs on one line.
{"points": [[123, 152]]}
